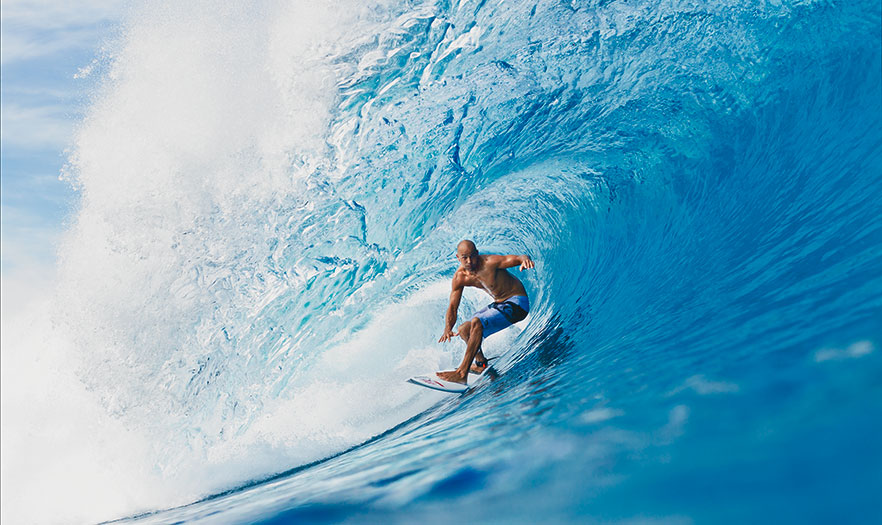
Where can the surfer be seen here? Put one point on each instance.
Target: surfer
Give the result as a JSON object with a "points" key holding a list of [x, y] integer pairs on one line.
{"points": [[510, 303]]}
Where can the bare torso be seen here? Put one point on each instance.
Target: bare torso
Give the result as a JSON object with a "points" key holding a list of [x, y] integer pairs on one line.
{"points": [[496, 281]]}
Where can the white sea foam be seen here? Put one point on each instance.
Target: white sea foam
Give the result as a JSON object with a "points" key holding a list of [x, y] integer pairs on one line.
{"points": [[598, 415], [60, 444], [704, 386], [148, 379], [65, 459], [853, 351]]}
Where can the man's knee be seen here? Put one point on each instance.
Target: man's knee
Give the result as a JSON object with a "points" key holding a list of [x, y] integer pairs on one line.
{"points": [[470, 328], [475, 326]]}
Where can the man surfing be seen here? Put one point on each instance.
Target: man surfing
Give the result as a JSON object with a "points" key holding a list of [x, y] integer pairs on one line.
{"points": [[510, 303]]}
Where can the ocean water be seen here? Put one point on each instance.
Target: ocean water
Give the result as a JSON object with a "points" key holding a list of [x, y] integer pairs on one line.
{"points": [[271, 197]]}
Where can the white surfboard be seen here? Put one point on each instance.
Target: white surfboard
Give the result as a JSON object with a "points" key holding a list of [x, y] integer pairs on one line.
{"points": [[436, 383]]}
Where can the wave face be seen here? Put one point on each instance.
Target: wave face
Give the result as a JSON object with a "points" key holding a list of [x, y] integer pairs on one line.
{"points": [[271, 200]]}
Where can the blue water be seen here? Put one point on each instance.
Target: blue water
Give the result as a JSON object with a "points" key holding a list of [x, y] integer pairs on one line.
{"points": [[698, 183]]}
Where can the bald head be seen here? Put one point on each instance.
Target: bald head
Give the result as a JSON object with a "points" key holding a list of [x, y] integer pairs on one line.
{"points": [[466, 246], [467, 254]]}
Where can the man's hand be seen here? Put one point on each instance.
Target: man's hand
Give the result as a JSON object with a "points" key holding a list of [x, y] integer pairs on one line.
{"points": [[526, 263], [446, 337]]}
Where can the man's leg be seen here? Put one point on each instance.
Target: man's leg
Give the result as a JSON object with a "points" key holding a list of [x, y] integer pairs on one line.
{"points": [[465, 331], [473, 345]]}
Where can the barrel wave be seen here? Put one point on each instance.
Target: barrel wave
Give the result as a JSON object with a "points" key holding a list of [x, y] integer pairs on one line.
{"points": [[271, 198]]}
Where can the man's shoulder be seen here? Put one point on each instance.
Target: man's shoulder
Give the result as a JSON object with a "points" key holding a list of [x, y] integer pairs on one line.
{"points": [[491, 259]]}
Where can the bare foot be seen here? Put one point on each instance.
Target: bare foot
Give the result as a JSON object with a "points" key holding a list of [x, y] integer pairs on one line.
{"points": [[453, 376], [478, 368]]}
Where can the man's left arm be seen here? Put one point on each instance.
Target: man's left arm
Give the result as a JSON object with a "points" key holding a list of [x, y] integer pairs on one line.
{"points": [[510, 261]]}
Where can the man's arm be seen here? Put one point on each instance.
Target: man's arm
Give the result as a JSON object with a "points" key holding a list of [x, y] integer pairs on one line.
{"points": [[450, 318], [509, 261]]}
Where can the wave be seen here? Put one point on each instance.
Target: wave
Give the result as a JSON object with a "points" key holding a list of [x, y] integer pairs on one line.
{"points": [[271, 197]]}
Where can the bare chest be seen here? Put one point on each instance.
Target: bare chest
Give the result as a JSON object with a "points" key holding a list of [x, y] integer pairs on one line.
{"points": [[487, 280]]}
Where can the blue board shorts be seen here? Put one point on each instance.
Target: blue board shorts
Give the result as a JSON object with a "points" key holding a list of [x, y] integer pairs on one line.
{"points": [[496, 316]]}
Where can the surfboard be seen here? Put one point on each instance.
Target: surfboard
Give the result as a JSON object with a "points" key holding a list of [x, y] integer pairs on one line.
{"points": [[436, 383]]}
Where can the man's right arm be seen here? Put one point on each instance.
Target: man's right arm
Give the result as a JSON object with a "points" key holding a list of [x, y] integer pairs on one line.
{"points": [[450, 318]]}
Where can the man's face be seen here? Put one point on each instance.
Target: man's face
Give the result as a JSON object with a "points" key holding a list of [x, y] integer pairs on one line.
{"points": [[468, 257]]}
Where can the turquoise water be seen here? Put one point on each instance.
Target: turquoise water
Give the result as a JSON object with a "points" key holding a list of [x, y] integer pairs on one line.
{"points": [[271, 200]]}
